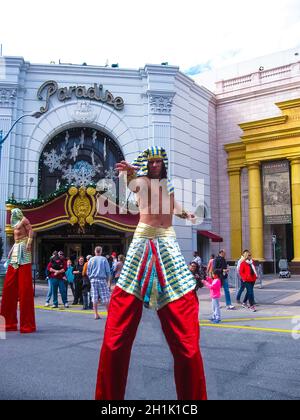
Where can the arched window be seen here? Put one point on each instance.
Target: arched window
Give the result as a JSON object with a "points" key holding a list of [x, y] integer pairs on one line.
{"points": [[79, 156]]}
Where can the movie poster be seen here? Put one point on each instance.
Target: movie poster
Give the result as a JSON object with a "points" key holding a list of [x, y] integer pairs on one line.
{"points": [[277, 193]]}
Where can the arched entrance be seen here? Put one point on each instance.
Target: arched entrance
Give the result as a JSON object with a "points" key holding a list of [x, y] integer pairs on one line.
{"points": [[64, 216]]}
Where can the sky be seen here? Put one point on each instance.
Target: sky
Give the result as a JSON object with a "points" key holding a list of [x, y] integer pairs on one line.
{"points": [[195, 35]]}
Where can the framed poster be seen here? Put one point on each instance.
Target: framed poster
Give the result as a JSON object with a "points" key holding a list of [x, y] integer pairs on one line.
{"points": [[277, 193]]}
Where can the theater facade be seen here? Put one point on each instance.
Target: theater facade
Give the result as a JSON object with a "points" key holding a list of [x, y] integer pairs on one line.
{"points": [[80, 121], [257, 142]]}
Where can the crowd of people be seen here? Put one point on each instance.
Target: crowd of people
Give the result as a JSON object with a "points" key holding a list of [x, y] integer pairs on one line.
{"points": [[215, 277], [90, 279]]}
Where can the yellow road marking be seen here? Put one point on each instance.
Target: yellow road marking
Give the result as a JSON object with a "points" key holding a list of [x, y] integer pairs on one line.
{"points": [[270, 318], [72, 311], [241, 327]]}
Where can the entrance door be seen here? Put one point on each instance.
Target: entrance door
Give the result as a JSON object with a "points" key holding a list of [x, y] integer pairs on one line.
{"points": [[73, 250], [73, 245]]}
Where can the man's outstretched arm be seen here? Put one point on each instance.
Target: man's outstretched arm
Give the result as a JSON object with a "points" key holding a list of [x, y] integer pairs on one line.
{"points": [[180, 212]]}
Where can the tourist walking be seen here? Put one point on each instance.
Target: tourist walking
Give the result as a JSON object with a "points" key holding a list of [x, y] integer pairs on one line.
{"points": [[249, 276], [220, 263], [241, 283], [99, 274]]}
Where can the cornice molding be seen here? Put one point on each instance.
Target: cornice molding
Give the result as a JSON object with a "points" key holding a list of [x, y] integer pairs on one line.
{"points": [[294, 103], [267, 122]]}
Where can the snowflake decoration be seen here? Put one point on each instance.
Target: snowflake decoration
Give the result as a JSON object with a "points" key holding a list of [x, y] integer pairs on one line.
{"points": [[68, 174], [74, 152], [54, 161], [81, 174], [110, 174]]}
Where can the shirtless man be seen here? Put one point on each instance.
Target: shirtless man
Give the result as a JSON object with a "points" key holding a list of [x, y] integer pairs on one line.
{"points": [[156, 204], [154, 275], [18, 279]]}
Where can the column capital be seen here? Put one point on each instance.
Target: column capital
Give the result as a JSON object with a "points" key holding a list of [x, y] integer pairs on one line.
{"points": [[254, 165], [294, 160], [234, 171]]}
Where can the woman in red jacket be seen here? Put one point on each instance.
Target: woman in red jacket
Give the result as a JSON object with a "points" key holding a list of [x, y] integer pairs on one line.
{"points": [[248, 275]]}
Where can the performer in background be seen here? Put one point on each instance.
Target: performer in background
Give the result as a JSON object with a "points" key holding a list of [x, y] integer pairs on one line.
{"points": [[154, 275], [18, 279]]}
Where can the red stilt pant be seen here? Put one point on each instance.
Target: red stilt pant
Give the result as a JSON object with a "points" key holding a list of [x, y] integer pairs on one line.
{"points": [[18, 286], [180, 324]]}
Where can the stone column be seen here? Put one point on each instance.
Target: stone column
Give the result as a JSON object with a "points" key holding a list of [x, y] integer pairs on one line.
{"points": [[295, 176], [256, 223], [235, 212]]}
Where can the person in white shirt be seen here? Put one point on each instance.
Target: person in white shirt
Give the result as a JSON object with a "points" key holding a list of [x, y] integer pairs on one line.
{"points": [[197, 259], [98, 272]]}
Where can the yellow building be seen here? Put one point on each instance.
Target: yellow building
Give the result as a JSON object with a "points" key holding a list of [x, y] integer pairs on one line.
{"points": [[267, 148]]}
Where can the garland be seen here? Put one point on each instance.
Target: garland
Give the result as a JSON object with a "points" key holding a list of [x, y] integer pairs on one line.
{"points": [[37, 202]]}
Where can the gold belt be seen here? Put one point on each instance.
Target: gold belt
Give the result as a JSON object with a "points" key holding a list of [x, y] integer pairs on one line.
{"points": [[150, 232], [19, 241]]}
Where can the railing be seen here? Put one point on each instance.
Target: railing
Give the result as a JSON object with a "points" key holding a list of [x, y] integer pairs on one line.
{"points": [[261, 76]]}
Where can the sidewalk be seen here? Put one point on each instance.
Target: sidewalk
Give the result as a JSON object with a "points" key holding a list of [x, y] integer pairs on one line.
{"points": [[278, 296]]}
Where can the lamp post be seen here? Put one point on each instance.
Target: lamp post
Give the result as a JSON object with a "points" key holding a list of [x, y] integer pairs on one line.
{"points": [[3, 138]]}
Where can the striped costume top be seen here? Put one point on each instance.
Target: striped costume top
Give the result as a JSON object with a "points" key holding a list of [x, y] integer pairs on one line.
{"points": [[155, 270], [20, 255]]}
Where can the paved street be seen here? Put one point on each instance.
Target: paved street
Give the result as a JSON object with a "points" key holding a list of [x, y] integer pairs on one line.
{"points": [[249, 356]]}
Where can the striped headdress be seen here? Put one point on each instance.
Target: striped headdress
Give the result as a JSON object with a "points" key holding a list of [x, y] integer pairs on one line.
{"points": [[141, 162]]}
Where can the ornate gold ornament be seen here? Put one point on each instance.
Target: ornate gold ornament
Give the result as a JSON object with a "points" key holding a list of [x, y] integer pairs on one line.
{"points": [[82, 206]]}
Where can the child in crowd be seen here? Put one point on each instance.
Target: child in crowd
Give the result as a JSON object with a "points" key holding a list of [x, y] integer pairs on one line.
{"points": [[215, 285], [70, 277]]}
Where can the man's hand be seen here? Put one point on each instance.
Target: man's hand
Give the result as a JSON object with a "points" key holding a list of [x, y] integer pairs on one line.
{"points": [[28, 247], [124, 166], [192, 218]]}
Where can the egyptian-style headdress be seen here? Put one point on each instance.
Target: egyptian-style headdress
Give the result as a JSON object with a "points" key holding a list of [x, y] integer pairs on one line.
{"points": [[16, 217], [141, 162]]}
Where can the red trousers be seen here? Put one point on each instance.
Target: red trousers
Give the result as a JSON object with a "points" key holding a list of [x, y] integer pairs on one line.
{"points": [[180, 324], [18, 286]]}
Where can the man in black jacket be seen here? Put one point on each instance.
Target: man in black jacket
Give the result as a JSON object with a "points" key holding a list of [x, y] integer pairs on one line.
{"points": [[78, 281], [221, 264]]}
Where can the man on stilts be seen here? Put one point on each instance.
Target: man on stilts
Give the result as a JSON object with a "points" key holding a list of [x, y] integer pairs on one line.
{"points": [[18, 279], [154, 275]]}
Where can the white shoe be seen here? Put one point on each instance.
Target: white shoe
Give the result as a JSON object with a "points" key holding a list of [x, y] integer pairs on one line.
{"points": [[66, 305], [47, 305], [230, 308], [252, 309]]}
